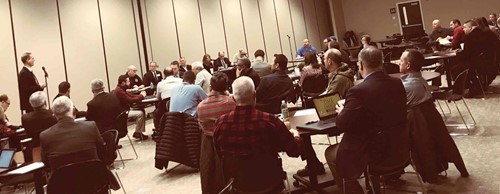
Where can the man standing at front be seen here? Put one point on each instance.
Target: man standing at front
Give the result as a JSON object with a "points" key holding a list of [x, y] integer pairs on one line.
{"points": [[28, 83], [306, 47], [377, 105]]}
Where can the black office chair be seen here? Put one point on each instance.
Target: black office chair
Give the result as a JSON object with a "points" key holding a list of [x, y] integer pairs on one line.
{"points": [[80, 178], [256, 174], [455, 93], [122, 127], [311, 87], [391, 68]]}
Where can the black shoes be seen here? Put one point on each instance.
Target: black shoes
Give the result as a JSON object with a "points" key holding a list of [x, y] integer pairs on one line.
{"points": [[317, 169], [139, 135]]}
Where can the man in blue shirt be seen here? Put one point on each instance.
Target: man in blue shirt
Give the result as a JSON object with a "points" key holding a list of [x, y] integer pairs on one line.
{"points": [[306, 47], [186, 97]]}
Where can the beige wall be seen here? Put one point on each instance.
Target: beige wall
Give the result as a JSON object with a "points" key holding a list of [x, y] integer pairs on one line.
{"points": [[99, 39], [374, 18]]}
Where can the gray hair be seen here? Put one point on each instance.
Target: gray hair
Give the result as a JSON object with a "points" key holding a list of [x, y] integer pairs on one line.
{"points": [[62, 106], [243, 91], [197, 65], [38, 99], [97, 85], [371, 57], [131, 67]]}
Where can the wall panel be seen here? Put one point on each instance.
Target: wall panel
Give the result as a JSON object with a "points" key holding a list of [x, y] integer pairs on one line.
{"points": [[299, 23], [36, 28], [188, 24], [270, 27], [213, 29], [285, 26], [312, 24], [162, 31], [8, 64], [119, 37], [234, 27], [253, 28], [83, 47], [325, 29]]}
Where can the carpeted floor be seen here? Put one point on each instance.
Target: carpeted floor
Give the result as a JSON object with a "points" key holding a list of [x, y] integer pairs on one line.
{"points": [[479, 151]]}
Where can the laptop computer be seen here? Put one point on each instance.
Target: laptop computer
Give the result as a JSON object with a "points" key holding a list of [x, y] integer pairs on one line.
{"points": [[6, 158], [325, 108]]}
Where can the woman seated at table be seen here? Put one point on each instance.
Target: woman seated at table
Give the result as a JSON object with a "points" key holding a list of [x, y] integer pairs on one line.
{"points": [[311, 68], [207, 62]]}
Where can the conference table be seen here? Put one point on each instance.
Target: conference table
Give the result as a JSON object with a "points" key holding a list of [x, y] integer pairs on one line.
{"points": [[443, 58], [383, 41], [297, 118], [427, 75]]}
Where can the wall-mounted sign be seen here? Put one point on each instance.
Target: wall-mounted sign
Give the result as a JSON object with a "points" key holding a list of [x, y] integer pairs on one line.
{"points": [[393, 10]]}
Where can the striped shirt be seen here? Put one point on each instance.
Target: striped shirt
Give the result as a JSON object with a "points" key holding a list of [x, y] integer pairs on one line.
{"points": [[210, 109]]}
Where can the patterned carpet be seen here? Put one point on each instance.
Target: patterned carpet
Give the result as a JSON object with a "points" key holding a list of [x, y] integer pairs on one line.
{"points": [[479, 151]]}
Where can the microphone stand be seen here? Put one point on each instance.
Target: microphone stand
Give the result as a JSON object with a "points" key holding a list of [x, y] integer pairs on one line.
{"points": [[47, 87], [291, 52]]}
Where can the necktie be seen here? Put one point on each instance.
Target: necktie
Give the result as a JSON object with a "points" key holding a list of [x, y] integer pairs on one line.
{"points": [[223, 63]]}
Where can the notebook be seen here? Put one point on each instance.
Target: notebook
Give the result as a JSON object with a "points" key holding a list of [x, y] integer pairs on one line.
{"points": [[6, 157], [325, 108]]}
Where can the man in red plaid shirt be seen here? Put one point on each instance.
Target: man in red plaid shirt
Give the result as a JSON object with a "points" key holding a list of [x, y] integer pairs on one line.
{"points": [[209, 110], [248, 131]]}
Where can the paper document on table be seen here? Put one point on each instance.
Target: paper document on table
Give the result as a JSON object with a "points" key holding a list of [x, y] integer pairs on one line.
{"points": [[444, 41], [305, 112], [27, 168]]}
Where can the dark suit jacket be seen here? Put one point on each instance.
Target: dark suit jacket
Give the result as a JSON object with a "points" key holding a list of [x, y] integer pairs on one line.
{"points": [[149, 78], [477, 42], [37, 121], [272, 89], [218, 63], [251, 74], [61, 141], [377, 104], [28, 84], [103, 109], [188, 68]]}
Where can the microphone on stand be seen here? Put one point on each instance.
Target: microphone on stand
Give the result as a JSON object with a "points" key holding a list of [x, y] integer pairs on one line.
{"points": [[287, 36], [44, 71]]}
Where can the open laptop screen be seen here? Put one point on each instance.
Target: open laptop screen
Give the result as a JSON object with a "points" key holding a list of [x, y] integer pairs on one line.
{"points": [[6, 157], [325, 105]]}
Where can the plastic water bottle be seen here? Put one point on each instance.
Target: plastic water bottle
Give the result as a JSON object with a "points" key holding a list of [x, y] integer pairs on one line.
{"points": [[284, 110]]}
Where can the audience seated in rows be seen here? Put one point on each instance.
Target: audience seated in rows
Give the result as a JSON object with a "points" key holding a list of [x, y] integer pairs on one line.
{"points": [[261, 67], [202, 76], [39, 120], [64, 90], [164, 88], [375, 106], [104, 108], [209, 110], [126, 100], [275, 87], [186, 97]]}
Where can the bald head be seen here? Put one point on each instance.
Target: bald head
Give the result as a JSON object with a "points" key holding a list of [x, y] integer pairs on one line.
{"points": [[370, 59], [436, 24], [306, 42], [244, 91], [333, 59]]}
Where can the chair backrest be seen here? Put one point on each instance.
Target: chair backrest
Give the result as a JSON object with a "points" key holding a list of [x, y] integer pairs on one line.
{"points": [[390, 148], [387, 57], [261, 173], [110, 137], [315, 84], [459, 83], [121, 124], [391, 68], [83, 177]]}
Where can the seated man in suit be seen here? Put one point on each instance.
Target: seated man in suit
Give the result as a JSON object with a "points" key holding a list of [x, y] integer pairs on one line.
{"points": [[177, 73], [375, 106], [183, 66], [246, 131], [104, 108], [39, 120], [258, 65], [186, 97], [275, 87], [152, 77], [64, 90], [68, 141], [222, 62], [127, 99]]}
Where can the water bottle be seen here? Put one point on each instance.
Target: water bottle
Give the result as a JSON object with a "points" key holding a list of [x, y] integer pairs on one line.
{"points": [[284, 110]]}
